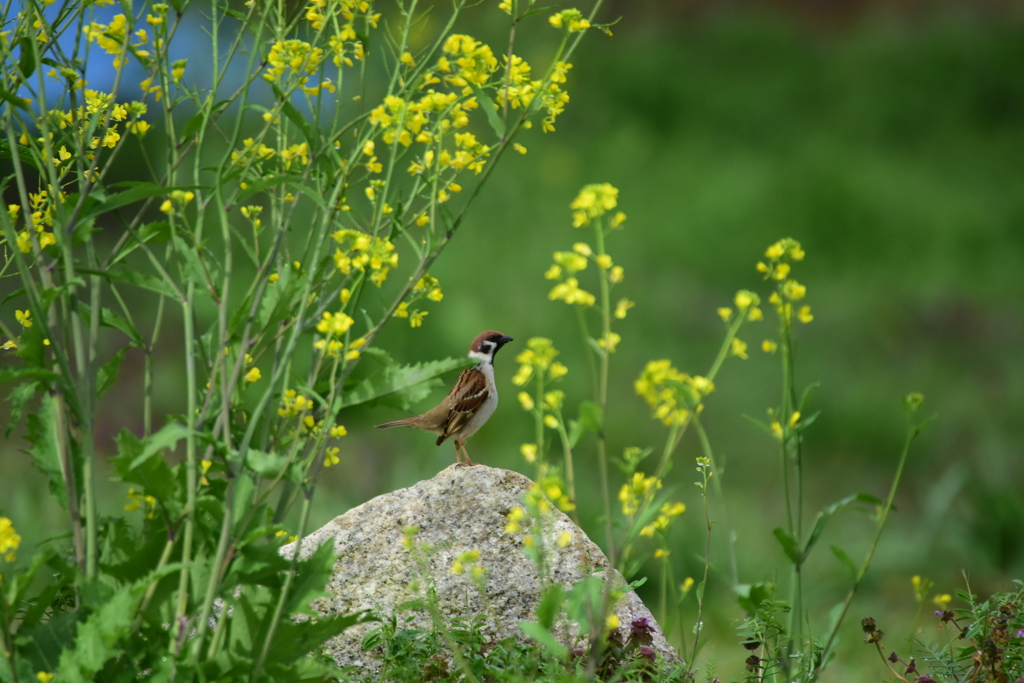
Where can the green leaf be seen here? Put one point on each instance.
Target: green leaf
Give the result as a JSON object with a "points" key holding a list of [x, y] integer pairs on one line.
{"points": [[545, 638], [45, 450], [10, 97], [295, 639], [19, 398], [167, 437], [590, 416], [760, 425], [550, 605], [584, 600], [311, 578], [297, 118], [401, 386], [576, 430], [107, 374], [152, 474], [134, 277], [137, 192], [845, 559], [789, 544], [270, 465], [150, 233], [752, 596], [825, 515], [487, 104], [27, 59]]}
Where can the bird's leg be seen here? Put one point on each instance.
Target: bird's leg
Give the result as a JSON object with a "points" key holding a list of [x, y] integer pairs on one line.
{"points": [[466, 453], [458, 455]]}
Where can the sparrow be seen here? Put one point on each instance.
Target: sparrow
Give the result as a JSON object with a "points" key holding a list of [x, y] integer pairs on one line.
{"points": [[469, 405]]}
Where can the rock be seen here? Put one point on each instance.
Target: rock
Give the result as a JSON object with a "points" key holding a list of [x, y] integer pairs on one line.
{"points": [[460, 509]]}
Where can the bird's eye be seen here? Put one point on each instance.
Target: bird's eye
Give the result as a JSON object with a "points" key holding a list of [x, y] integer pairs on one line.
{"points": [[494, 337]]}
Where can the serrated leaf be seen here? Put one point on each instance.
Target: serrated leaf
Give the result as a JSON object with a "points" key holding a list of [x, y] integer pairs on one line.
{"points": [[167, 437], [107, 374], [19, 398], [788, 543], [400, 386], [294, 639], [487, 104], [45, 449], [152, 474]]}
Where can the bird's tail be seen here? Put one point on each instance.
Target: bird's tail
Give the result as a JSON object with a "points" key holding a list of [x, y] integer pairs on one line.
{"points": [[404, 422]]}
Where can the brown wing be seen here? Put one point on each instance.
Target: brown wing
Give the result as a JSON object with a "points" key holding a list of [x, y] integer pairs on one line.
{"points": [[469, 394]]}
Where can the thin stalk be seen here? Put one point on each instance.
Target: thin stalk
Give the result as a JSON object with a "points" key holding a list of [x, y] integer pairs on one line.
{"points": [[912, 433]]}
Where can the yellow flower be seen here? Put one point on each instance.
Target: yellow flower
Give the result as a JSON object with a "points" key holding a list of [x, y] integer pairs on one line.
{"points": [[24, 317], [781, 271], [739, 348], [9, 539], [44, 677], [457, 567], [609, 342], [416, 320], [776, 429], [623, 306], [942, 601], [794, 419], [529, 451], [582, 248], [593, 201], [725, 313], [804, 314], [686, 585], [660, 553], [793, 290], [253, 375], [612, 621], [616, 275], [557, 370], [768, 346], [553, 273], [407, 59], [525, 400], [755, 314], [550, 422], [204, 466], [519, 148], [274, 277], [604, 261], [9, 344], [338, 431], [515, 515], [331, 456]]}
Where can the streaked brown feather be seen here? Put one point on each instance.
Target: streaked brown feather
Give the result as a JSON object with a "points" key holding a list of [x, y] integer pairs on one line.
{"points": [[470, 393]]}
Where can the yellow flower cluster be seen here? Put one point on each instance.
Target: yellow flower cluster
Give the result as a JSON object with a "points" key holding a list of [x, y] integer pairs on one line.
{"points": [[636, 490], [553, 489], [139, 500], [521, 91], [9, 539], [472, 60], [670, 393], [571, 20], [42, 207], [251, 153], [179, 198], [293, 61], [513, 519], [668, 512], [470, 558], [788, 291], [358, 250], [335, 347], [293, 403], [539, 356], [594, 201], [334, 324]]}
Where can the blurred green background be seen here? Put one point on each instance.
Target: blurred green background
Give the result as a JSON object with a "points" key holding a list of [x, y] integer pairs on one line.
{"points": [[890, 142]]}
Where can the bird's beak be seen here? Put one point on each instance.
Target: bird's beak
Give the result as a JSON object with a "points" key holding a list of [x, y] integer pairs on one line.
{"points": [[505, 340]]}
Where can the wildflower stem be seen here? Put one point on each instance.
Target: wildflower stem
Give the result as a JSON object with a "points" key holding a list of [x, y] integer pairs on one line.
{"points": [[912, 431]]}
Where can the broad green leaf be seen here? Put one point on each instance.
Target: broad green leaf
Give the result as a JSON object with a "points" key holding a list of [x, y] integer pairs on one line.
{"points": [[311, 577], [167, 437], [545, 638], [401, 386], [789, 544], [152, 474], [270, 465]]}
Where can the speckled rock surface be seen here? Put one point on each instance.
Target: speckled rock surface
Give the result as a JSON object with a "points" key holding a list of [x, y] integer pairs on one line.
{"points": [[460, 509]]}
